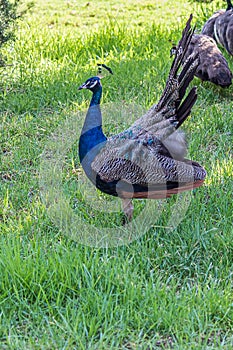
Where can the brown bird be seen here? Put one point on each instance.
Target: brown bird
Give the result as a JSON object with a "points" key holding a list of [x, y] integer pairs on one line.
{"points": [[148, 159], [213, 66], [208, 28], [220, 27]]}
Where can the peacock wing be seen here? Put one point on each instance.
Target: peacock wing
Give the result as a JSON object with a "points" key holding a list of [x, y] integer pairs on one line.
{"points": [[143, 162]]}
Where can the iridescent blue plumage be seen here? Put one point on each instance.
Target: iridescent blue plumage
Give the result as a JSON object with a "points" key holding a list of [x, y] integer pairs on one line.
{"points": [[148, 159], [92, 137], [229, 5]]}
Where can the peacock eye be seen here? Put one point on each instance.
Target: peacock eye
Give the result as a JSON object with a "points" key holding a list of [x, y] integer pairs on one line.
{"points": [[93, 84]]}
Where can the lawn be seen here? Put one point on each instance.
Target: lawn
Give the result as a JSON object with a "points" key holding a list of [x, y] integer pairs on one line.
{"points": [[172, 287]]}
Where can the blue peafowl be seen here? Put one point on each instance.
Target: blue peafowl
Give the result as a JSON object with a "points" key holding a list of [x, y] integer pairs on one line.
{"points": [[148, 159]]}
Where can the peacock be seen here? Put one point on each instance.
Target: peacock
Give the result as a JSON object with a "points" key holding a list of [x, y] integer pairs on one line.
{"points": [[148, 159], [220, 27], [212, 66]]}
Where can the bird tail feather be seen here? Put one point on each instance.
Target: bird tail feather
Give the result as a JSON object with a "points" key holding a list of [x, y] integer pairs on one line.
{"points": [[179, 83], [185, 108]]}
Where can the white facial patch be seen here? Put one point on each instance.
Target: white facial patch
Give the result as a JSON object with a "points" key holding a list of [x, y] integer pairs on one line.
{"points": [[93, 84]]}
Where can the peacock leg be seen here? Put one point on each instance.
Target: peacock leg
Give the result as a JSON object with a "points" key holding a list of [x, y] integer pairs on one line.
{"points": [[127, 207]]}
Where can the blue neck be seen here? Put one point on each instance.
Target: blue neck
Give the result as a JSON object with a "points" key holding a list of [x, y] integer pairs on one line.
{"points": [[92, 136], [96, 97], [229, 5], [94, 117]]}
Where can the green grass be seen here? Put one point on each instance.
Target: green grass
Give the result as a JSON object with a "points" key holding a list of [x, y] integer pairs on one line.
{"points": [[168, 289]]}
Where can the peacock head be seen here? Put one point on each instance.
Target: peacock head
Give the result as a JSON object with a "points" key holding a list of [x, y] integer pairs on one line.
{"points": [[92, 84]]}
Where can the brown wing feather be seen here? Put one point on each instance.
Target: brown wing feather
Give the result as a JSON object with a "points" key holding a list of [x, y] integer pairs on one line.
{"points": [[164, 193]]}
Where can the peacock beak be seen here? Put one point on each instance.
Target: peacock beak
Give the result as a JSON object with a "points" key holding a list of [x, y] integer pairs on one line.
{"points": [[83, 86]]}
